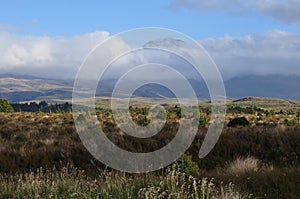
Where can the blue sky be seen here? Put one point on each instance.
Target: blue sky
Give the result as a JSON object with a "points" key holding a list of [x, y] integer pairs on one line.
{"points": [[68, 18], [51, 38]]}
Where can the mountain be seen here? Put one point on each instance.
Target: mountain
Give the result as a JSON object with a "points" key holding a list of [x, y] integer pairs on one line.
{"points": [[19, 88], [22, 88], [270, 86]]}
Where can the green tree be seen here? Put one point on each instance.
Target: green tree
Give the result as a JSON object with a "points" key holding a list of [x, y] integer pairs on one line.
{"points": [[5, 107]]}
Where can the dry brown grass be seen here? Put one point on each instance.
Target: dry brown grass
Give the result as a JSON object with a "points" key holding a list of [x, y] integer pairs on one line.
{"points": [[243, 165]]}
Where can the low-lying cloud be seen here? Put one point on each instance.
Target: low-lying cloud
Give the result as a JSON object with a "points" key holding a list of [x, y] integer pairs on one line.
{"points": [[275, 52]]}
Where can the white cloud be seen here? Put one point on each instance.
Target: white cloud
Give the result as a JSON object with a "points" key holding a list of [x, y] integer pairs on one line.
{"points": [[46, 56], [276, 52], [287, 11]]}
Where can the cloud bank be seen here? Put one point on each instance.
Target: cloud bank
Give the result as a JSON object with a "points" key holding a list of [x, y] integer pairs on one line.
{"points": [[287, 11], [275, 52], [46, 56]]}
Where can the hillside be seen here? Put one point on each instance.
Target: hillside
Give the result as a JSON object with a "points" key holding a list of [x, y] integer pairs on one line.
{"points": [[269, 86], [19, 88]]}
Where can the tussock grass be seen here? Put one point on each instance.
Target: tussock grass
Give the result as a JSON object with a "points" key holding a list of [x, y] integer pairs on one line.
{"points": [[243, 165], [69, 182], [178, 185]]}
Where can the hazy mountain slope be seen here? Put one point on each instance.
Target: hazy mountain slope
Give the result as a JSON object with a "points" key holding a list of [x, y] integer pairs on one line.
{"points": [[273, 86], [17, 88], [26, 88]]}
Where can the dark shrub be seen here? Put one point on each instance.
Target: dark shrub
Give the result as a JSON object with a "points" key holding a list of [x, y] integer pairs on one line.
{"points": [[239, 121], [20, 138]]}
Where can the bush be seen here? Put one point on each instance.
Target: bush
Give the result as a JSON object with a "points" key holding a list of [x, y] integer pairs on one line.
{"points": [[203, 121], [287, 122], [20, 138], [239, 121], [5, 107], [186, 165]]}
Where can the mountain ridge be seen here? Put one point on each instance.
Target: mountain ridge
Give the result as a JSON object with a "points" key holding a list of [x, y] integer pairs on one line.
{"points": [[21, 88]]}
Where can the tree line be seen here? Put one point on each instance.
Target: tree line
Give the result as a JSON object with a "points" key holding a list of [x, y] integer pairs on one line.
{"points": [[42, 106]]}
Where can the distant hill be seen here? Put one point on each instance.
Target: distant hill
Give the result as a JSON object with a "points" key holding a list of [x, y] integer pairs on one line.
{"points": [[19, 76], [268, 86], [20, 88]]}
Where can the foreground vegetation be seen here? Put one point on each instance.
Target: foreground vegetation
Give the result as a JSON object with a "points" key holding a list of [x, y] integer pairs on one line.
{"points": [[257, 156], [69, 182]]}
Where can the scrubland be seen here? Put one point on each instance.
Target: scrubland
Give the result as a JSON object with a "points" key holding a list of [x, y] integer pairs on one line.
{"points": [[41, 156]]}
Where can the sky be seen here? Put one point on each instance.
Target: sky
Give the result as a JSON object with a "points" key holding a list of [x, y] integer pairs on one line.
{"points": [[52, 38]]}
